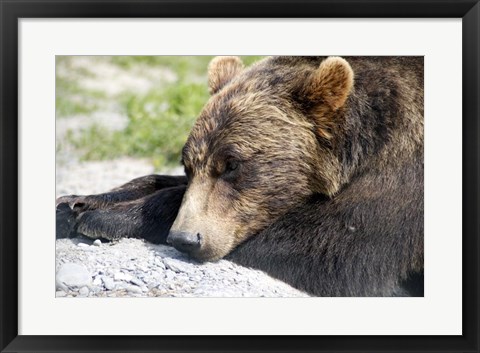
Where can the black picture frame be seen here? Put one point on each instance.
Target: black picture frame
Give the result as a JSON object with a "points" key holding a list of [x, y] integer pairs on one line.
{"points": [[13, 10]]}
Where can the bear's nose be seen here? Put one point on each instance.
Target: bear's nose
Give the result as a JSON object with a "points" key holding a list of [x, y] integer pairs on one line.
{"points": [[185, 242]]}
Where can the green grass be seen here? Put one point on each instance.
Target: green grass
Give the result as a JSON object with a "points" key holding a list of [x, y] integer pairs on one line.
{"points": [[158, 125], [159, 120]]}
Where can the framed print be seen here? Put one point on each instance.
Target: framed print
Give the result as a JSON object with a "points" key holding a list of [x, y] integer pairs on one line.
{"points": [[296, 176]]}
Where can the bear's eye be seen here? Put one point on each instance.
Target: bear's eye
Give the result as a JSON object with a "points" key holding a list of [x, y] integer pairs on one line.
{"points": [[231, 166], [231, 169]]}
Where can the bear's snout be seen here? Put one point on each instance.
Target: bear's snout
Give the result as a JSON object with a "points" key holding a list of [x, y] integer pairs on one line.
{"points": [[185, 241]]}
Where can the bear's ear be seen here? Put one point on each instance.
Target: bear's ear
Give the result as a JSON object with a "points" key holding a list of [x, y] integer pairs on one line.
{"points": [[331, 83], [221, 70]]}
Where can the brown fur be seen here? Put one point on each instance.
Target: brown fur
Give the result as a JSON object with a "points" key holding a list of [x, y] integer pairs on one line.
{"points": [[287, 121], [331, 83]]}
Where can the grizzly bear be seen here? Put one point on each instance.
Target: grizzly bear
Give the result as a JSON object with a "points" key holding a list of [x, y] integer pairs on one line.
{"points": [[308, 168]]}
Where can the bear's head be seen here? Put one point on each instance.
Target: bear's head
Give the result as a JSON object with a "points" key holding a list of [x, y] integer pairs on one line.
{"points": [[261, 145]]}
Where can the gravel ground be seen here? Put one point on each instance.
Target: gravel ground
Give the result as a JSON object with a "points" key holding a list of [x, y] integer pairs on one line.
{"points": [[135, 268]]}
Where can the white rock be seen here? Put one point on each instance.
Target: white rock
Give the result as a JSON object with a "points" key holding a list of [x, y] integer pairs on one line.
{"points": [[137, 282], [108, 283], [72, 275], [97, 242], [86, 247], [96, 289], [121, 276], [83, 291], [133, 289], [169, 275], [176, 265], [159, 263]]}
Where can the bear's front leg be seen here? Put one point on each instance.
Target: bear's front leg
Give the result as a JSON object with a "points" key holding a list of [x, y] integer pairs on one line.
{"points": [[69, 208], [149, 217]]}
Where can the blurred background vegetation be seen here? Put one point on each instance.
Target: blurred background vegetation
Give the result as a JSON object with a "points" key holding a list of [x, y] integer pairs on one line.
{"points": [[128, 106]]}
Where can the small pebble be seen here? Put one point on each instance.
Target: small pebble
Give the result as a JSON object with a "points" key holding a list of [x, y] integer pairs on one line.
{"points": [[97, 281], [170, 275], [159, 263], [137, 282], [152, 284], [121, 285], [121, 276], [108, 283], [97, 242], [133, 289], [83, 291], [175, 265], [96, 289]]}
